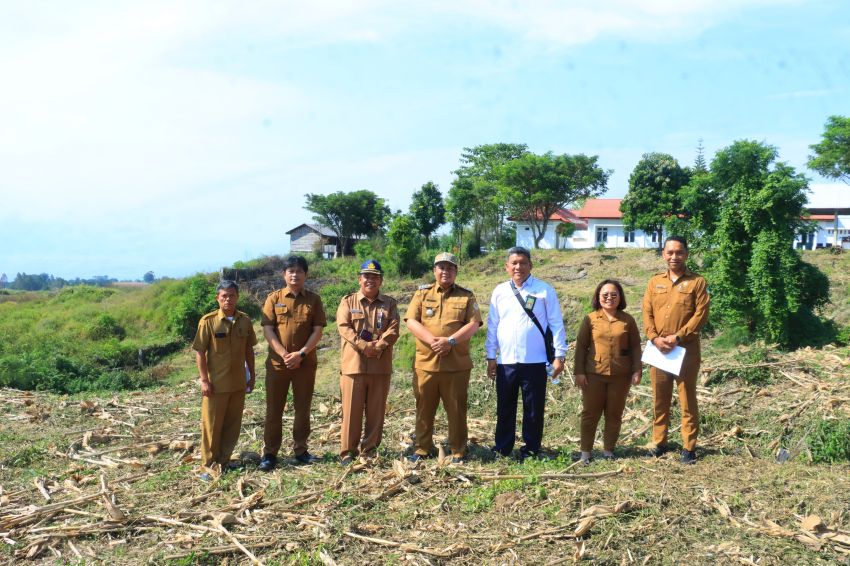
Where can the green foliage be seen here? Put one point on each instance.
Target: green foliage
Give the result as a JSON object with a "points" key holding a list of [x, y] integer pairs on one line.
{"points": [[750, 366], [757, 279], [349, 214], [536, 186], [653, 198], [196, 298], [832, 155], [404, 246], [83, 293], [105, 326], [427, 210], [829, 442], [332, 294]]}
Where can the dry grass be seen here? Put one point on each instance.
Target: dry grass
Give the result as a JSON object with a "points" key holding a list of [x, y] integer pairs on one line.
{"points": [[113, 479]]}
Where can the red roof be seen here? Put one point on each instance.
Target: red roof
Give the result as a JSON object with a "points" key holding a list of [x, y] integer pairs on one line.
{"points": [[600, 208], [820, 217]]}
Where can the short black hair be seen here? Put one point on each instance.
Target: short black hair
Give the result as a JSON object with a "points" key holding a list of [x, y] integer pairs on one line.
{"points": [[518, 250], [226, 284], [680, 239], [594, 302], [295, 261]]}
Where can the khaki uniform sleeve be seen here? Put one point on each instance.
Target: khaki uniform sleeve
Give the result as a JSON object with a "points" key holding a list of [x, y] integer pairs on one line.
{"points": [[201, 343], [690, 330], [268, 316], [582, 345], [319, 313], [634, 345], [473, 312], [391, 333], [648, 314], [414, 309], [345, 327]]}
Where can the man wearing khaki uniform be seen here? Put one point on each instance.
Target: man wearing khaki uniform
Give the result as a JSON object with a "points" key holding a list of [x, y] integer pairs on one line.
{"points": [[443, 317], [293, 320], [367, 322], [224, 347], [675, 308]]}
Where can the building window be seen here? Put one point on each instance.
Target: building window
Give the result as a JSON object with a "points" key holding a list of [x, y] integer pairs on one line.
{"points": [[656, 237], [601, 234], [629, 237]]}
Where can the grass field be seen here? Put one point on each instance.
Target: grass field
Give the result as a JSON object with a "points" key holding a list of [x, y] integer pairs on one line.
{"points": [[111, 477]]}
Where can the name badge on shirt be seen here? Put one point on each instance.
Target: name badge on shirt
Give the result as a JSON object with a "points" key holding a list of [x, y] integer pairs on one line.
{"points": [[356, 311], [530, 302]]}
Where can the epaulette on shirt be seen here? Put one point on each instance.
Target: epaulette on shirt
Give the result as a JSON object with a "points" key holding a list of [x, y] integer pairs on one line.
{"points": [[425, 286], [209, 315], [462, 288]]}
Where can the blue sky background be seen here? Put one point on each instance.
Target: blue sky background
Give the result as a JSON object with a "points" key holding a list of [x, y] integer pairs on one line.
{"points": [[181, 136]]}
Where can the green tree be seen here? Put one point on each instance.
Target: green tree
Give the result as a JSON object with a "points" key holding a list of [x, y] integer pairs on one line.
{"points": [[356, 213], [536, 186], [832, 155], [653, 198], [757, 279], [427, 210], [404, 244], [149, 277], [459, 207], [479, 175]]}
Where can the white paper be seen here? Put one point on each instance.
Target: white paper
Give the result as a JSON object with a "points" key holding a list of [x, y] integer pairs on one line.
{"points": [[670, 362]]}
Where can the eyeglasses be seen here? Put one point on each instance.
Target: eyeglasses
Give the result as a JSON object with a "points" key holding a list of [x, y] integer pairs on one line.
{"points": [[609, 295]]}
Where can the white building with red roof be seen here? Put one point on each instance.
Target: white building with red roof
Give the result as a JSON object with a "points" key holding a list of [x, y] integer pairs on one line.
{"points": [[598, 222], [829, 208]]}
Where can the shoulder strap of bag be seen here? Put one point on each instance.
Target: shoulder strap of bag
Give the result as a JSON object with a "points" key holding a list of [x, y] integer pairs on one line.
{"points": [[527, 311]]}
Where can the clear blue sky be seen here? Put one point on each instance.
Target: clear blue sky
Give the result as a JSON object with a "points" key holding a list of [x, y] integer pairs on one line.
{"points": [[179, 136]]}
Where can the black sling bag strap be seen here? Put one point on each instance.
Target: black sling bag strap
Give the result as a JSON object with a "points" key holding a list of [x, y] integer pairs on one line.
{"points": [[548, 338]]}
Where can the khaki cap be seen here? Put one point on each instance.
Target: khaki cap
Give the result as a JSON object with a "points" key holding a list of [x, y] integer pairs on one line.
{"points": [[446, 256]]}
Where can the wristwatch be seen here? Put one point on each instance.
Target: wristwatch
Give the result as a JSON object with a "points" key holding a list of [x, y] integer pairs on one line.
{"points": [[452, 342], [303, 353], [560, 359]]}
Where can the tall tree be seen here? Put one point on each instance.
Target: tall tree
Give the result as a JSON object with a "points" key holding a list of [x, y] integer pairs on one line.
{"points": [[653, 196], [832, 155], [479, 174], [459, 205], [427, 210], [404, 244], [356, 213], [535, 186], [700, 166], [758, 280]]}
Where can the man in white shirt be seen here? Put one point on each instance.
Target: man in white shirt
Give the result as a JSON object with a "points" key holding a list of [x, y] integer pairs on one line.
{"points": [[516, 351]]}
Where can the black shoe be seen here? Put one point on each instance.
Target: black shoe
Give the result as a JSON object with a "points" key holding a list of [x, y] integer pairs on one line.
{"points": [[688, 457], [306, 458], [268, 463], [658, 451], [527, 454], [458, 460], [416, 457], [346, 460]]}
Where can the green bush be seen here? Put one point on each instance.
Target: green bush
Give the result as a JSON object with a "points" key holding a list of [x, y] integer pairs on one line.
{"points": [[196, 297], [333, 293], [830, 441], [105, 326]]}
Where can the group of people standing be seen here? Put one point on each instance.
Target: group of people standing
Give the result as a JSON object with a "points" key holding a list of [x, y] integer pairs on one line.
{"points": [[525, 345]]}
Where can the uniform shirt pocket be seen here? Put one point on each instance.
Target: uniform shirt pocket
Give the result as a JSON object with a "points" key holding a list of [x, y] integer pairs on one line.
{"points": [[282, 313]]}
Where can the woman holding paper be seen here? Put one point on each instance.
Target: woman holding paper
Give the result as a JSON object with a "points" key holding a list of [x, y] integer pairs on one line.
{"points": [[607, 363]]}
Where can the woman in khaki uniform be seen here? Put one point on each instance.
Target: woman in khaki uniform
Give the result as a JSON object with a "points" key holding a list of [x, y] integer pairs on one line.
{"points": [[607, 364]]}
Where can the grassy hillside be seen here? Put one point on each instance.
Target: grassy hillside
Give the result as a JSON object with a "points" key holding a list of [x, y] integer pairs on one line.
{"points": [[737, 505]]}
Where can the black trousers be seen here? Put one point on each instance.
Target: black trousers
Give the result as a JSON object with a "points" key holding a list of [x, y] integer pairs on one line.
{"points": [[510, 379]]}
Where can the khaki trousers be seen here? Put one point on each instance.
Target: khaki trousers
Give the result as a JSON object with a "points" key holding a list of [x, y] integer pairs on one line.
{"points": [[362, 392], [303, 381], [603, 394], [451, 387], [221, 423], [662, 395]]}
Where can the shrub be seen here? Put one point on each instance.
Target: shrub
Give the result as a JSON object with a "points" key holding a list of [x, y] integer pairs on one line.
{"points": [[830, 441], [103, 327], [333, 293], [196, 298]]}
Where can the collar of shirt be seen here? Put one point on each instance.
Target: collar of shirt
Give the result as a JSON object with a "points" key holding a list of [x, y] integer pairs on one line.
{"points": [[290, 293], [600, 314], [687, 273], [446, 291], [361, 297], [222, 316], [528, 284]]}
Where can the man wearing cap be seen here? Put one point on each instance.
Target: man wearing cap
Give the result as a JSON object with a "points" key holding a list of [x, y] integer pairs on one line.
{"points": [[224, 346], [293, 321], [675, 308], [443, 317], [516, 351], [368, 324]]}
